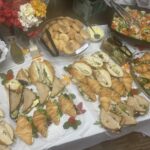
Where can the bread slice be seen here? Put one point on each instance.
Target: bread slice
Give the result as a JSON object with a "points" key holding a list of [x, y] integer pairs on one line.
{"points": [[4, 147], [34, 71], [43, 91], [14, 100], [139, 104], [127, 118], [42, 72], [58, 86], [28, 98], [4, 136], [108, 121], [48, 72], [83, 68], [8, 128]]}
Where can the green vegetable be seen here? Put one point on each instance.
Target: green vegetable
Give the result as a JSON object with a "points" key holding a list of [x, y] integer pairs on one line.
{"points": [[66, 68], [14, 114], [147, 91], [66, 125], [42, 111], [45, 74], [73, 125], [34, 129], [142, 80], [3, 76], [72, 96], [97, 123], [59, 108]]}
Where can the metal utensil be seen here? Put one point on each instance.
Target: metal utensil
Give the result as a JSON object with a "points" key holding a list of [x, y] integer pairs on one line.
{"points": [[96, 36], [54, 51], [124, 14]]}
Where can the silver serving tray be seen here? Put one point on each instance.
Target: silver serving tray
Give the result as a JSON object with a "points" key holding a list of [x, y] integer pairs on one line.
{"points": [[134, 74]]}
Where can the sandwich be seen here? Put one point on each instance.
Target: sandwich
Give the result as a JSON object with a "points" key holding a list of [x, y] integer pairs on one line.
{"points": [[110, 120], [23, 76], [6, 134], [24, 130], [15, 100], [28, 99], [53, 112], [40, 122], [67, 106], [42, 72], [139, 104], [43, 91], [58, 86]]}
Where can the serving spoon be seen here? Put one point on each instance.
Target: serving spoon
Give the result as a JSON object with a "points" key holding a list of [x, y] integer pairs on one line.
{"points": [[96, 36]]}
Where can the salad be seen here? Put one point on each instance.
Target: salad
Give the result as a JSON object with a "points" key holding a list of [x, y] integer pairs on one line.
{"points": [[141, 32]]}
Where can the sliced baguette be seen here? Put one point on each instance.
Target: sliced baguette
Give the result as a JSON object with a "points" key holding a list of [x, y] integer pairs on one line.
{"points": [[83, 68], [127, 119], [34, 72], [9, 129], [48, 72], [139, 104], [42, 72], [108, 121], [4, 136], [103, 77]]}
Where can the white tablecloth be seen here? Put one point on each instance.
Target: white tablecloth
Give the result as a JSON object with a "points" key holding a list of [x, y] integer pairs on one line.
{"points": [[96, 134], [91, 134]]}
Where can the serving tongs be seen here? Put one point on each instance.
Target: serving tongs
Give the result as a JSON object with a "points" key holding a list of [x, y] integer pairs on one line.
{"points": [[124, 14], [53, 50]]}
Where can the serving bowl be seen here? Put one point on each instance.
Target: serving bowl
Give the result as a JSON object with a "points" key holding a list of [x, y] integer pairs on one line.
{"points": [[61, 36], [129, 39]]}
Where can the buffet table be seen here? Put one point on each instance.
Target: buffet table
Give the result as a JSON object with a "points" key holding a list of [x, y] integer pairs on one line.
{"points": [[88, 134], [94, 134]]}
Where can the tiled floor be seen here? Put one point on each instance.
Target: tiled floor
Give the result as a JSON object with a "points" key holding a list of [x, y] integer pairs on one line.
{"points": [[133, 141]]}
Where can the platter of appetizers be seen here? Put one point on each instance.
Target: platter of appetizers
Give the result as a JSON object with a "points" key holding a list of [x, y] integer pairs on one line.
{"points": [[39, 105], [99, 79], [138, 32], [140, 68], [64, 36], [119, 52]]}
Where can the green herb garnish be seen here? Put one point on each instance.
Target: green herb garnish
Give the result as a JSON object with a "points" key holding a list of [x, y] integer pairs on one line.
{"points": [[72, 123]]}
